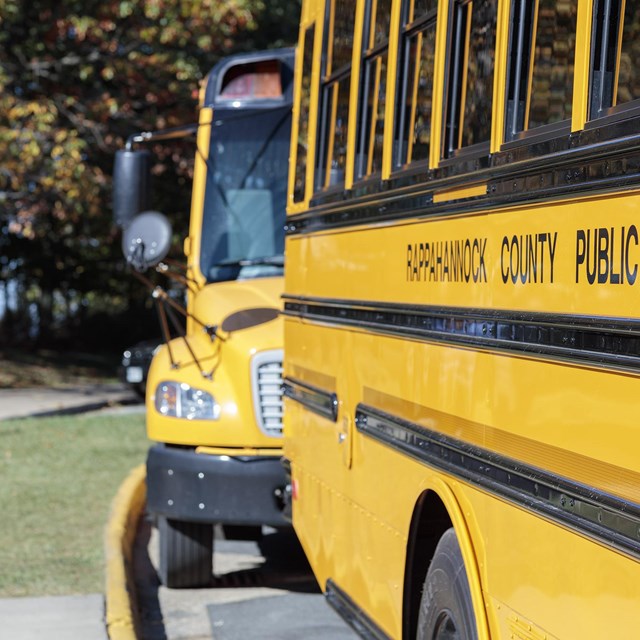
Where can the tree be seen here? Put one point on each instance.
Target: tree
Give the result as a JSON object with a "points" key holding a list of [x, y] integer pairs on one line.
{"points": [[76, 79]]}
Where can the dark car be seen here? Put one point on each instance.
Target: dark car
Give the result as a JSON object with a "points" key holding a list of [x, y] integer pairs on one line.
{"points": [[135, 364]]}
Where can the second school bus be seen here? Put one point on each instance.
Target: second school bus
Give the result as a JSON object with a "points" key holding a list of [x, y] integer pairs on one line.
{"points": [[462, 315], [214, 390]]}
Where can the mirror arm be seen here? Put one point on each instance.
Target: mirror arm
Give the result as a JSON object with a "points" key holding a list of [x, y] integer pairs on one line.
{"points": [[210, 330], [180, 331], [166, 134], [158, 292], [135, 258], [166, 334], [189, 283]]}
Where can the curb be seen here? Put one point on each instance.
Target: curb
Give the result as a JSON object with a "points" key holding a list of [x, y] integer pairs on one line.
{"points": [[126, 509], [74, 410]]}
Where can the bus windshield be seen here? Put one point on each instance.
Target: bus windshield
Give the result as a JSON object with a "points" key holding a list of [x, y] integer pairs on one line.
{"points": [[245, 198]]}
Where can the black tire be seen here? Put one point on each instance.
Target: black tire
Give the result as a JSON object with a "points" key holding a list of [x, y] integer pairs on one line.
{"points": [[186, 550], [242, 532], [446, 611]]}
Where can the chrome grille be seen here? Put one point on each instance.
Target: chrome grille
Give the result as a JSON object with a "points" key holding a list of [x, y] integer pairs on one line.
{"points": [[267, 391]]}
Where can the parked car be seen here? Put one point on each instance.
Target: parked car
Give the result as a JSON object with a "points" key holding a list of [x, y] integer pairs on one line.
{"points": [[135, 364]]}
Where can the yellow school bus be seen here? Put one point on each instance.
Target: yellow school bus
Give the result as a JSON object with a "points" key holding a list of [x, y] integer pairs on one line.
{"points": [[462, 315], [214, 389]]}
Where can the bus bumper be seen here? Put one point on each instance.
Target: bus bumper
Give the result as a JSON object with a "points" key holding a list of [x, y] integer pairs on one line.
{"points": [[243, 490]]}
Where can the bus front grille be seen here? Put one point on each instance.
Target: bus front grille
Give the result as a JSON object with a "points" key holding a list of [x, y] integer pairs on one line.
{"points": [[267, 391]]}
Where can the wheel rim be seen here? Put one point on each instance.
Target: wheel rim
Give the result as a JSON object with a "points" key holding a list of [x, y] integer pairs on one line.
{"points": [[446, 628]]}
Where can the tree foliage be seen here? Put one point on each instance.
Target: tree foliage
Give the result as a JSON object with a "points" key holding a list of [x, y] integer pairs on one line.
{"points": [[76, 79]]}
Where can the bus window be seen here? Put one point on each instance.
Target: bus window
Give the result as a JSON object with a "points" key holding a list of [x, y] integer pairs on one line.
{"points": [[540, 81], [470, 80], [371, 132], [417, 47], [253, 81], [303, 116], [615, 80], [336, 79]]}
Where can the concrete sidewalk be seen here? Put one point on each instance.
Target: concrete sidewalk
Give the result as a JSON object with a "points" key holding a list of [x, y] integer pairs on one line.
{"points": [[22, 403], [59, 617]]}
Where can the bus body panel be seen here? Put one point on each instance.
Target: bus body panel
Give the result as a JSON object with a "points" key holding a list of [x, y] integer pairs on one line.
{"points": [[529, 258], [462, 328], [354, 524], [579, 424]]}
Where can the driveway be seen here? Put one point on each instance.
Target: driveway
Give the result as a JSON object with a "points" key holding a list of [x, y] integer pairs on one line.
{"points": [[260, 591], [44, 401]]}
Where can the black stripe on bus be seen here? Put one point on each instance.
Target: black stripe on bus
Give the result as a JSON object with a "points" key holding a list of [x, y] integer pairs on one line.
{"points": [[344, 606], [610, 343], [324, 403], [607, 519]]}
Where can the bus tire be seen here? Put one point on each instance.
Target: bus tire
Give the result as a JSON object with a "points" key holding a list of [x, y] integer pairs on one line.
{"points": [[242, 532], [186, 550], [446, 610]]}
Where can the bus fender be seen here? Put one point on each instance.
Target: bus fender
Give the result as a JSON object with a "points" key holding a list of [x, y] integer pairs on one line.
{"points": [[448, 498]]}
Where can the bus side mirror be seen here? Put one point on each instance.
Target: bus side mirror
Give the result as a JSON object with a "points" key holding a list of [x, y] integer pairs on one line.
{"points": [[146, 240], [131, 185]]}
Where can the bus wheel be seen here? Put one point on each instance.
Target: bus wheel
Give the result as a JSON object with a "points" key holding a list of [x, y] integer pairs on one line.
{"points": [[186, 550], [446, 612], [242, 532]]}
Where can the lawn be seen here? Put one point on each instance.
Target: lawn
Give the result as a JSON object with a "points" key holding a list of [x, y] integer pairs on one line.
{"points": [[58, 477]]}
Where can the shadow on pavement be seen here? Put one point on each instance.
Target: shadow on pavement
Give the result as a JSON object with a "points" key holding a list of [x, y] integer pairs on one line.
{"points": [[147, 585], [280, 560], [250, 571]]}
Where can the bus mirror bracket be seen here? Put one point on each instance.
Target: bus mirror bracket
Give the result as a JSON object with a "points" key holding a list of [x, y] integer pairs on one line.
{"points": [[132, 173]]}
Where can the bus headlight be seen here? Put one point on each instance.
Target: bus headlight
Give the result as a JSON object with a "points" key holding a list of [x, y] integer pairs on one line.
{"points": [[179, 400]]}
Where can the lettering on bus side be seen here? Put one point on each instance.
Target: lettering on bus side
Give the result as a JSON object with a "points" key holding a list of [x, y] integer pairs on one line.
{"points": [[607, 255], [447, 261], [523, 258]]}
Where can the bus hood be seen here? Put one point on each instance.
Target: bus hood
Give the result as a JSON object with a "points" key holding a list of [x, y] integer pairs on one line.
{"points": [[239, 304]]}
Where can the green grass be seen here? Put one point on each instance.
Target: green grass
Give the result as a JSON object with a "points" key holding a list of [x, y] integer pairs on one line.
{"points": [[58, 477]]}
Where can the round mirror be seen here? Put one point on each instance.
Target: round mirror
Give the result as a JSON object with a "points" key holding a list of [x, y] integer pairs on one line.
{"points": [[146, 241]]}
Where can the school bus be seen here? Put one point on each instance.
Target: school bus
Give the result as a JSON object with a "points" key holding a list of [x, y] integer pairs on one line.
{"points": [[462, 320], [214, 389]]}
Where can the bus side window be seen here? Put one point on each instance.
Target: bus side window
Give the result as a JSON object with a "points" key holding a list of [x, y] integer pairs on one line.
{"points": [[469, 91], [615, 78], [303, 116], [417, 54], [540, 67], [334, 91], [371, 129]]}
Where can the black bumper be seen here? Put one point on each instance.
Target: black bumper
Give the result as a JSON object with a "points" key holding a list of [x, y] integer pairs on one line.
{"points": [[184, 485]]}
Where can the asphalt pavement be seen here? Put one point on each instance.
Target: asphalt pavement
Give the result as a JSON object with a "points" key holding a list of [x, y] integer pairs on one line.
{"points": [[22, 403], [261, 590], [76, 617]]}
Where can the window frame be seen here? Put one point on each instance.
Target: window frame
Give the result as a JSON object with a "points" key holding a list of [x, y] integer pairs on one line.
{"points": [[372, 56], [512, 138], [330, 81], [613, 113], [455, 86], [411, 29], [301, 172]]}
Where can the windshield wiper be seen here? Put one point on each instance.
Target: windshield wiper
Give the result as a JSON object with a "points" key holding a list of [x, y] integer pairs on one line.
{"points": [[276, 261]]}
